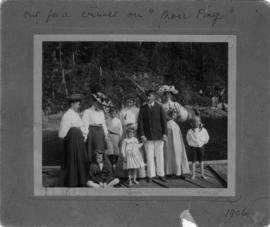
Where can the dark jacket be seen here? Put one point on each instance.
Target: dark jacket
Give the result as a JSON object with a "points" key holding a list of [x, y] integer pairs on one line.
{"points": [[97, 175], [152, 122]]}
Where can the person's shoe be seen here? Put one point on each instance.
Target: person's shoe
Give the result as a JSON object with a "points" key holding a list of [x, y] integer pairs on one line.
{"points": [[162, 178], [149, 179], [204, 177], [182, 177], [135, 181]]}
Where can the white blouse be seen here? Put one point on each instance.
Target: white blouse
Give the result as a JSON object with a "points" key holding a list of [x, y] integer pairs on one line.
{"points": [[181, 111], [114, 125], [129, 116], [71, 119], [93, 117], [197, 137]]}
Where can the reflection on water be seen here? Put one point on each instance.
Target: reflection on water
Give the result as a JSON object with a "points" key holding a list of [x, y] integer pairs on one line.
{"points": [[216, 149]]}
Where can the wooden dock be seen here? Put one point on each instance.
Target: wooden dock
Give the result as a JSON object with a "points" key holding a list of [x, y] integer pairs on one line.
{"points": [[215, 171]]}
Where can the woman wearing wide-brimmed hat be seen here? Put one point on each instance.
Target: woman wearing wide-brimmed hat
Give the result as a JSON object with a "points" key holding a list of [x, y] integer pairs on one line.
{"points": [[75, 168], [94, 120], [176, 161]]}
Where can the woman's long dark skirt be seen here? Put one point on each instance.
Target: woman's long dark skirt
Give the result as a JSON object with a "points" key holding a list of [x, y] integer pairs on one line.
{"points": [[95, 141], [75, 160]]}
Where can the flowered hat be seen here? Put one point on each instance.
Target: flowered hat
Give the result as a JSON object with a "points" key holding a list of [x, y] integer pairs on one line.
{"points": [[75, 97], [110, 104], [102, 99], [167, 88]]}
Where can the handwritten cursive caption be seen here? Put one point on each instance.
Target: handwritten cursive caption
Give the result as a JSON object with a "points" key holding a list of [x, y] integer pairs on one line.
{"points": [[232, 213], [164, 16]]}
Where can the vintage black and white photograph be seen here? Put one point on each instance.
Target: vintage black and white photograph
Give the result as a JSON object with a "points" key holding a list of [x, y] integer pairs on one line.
{"points": [[135, 114]]}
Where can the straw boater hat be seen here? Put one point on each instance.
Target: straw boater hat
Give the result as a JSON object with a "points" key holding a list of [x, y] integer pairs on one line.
{"points": [[102, 99], [167, 88], [75, 97]]}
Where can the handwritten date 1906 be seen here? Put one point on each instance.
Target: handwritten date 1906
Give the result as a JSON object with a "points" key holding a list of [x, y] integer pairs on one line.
{"points": [[230, 213]]}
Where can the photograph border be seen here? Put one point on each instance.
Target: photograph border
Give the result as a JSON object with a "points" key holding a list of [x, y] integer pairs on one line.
{"points": [[39, 190]]}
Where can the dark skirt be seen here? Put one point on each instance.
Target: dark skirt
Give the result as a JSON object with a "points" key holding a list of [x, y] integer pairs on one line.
{"points": [[76, 163], [95, 141]]}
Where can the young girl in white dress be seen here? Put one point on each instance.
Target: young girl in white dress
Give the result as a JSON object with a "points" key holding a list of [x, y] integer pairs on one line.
{"points": [[132, 157]]}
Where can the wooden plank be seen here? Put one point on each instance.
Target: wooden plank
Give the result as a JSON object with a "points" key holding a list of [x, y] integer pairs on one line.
{"points": [[161, 183], [196, 183], [220, 171], [51, 179], [211, 178], [142, 184], [121, 185], [210, 182], [176, 182]]}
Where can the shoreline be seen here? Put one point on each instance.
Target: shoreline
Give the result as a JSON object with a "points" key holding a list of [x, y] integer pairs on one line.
{"points": [[52, 121]]}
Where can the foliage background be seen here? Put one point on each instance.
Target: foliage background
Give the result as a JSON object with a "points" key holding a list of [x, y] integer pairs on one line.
{"points": [[88, 67]]}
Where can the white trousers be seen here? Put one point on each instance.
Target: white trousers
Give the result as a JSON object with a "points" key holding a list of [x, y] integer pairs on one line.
{"points": [[154, 158]]}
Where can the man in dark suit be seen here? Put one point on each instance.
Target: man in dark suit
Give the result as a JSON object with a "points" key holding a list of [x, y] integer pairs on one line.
{"points": [[152, 129]]}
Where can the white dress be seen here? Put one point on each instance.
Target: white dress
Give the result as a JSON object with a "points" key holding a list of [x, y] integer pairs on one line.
{"points": [[176, 161], [175, 156], [129, 116], [114, 135], [132, 156]]}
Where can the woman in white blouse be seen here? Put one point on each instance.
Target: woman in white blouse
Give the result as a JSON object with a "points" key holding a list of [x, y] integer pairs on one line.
{"points": [[94, 120], [129, 114], [72, 130], [176, 161]]}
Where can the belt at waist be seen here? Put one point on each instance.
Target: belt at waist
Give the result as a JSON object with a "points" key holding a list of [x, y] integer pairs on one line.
{"points": [[115, 133]]}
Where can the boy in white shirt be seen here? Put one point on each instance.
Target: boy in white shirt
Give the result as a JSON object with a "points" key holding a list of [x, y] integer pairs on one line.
{"points": [[197, 137]]}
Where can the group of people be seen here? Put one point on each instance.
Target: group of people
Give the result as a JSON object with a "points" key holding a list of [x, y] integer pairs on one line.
{"points": [[145, 141]]}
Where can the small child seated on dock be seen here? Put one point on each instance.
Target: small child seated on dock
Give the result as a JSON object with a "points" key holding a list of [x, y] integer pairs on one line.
{"points": [[101, 174], [197, 137]]}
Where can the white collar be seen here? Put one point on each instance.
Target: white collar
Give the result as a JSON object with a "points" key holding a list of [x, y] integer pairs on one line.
{"points": [[73, 111]]}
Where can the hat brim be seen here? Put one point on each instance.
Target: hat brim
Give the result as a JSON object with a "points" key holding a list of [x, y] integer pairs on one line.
{"points": [[171, 91], [75, 97], [130, 129], [103, 103]]}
